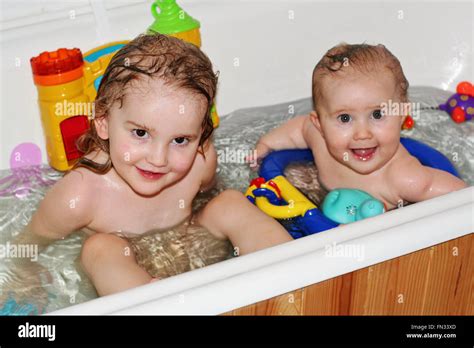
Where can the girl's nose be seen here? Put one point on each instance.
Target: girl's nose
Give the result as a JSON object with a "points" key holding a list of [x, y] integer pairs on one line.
{"points": [[158, 156]]}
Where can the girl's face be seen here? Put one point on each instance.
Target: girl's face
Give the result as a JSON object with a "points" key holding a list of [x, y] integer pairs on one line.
{"points": [[357, 131], [154, 136]]}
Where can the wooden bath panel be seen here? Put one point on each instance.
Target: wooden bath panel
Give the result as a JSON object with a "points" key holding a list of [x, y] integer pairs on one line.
{"points": [[434, 281]]}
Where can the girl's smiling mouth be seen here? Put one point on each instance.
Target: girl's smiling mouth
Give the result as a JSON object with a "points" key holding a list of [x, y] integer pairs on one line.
{"points": [[150, 175]]}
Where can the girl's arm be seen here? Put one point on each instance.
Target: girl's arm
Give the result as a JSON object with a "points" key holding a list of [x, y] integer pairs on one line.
{"points": [[66, 208]]}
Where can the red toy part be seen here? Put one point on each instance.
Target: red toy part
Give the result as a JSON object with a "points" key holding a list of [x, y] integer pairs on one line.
{"points": [[465, 87], [57, 67], [71, 129], [273, 184], [458, 115], [257, 182], [409, 123]]}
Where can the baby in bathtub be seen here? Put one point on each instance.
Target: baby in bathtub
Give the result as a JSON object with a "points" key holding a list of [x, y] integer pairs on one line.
{"points": [[147, 155], [354, 139]]}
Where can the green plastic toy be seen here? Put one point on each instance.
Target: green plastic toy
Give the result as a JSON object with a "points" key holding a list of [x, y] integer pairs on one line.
{"points": [[171, 19]]}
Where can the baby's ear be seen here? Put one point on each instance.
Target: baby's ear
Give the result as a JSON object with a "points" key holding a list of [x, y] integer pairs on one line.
{"points": [[102, 127], [313, 115]]}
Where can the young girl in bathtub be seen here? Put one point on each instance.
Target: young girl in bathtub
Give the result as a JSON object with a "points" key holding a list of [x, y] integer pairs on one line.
{"points": [[355, 142], [147, 155]]}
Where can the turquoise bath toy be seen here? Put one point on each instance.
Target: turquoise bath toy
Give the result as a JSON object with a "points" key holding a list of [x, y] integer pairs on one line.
{"points": [[11, 307], [348, 205]]}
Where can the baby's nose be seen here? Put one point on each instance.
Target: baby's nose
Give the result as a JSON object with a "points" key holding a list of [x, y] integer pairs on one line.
{"points": [[362, 132]]}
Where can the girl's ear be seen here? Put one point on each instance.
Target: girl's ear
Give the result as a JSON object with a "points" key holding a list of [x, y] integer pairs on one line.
{"points": [[313, 115], [102, 127]]}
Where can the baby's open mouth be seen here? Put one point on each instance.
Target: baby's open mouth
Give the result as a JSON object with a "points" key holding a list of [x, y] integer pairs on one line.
{"points": [[364, 154]]}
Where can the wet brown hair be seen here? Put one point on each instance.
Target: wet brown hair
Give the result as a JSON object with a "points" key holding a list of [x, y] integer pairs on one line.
{"points": [[361, 57], [176, 62]]}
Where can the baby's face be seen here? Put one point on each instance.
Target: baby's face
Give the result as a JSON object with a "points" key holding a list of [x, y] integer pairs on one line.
{"points": [[154, 136], [350, 118]]}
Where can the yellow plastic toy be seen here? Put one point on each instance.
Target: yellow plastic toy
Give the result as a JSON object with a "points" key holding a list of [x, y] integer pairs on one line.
{"points": [[267, 194]]}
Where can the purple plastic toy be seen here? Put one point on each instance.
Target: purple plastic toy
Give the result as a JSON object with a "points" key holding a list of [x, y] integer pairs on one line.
{"points": [[460, 106]]}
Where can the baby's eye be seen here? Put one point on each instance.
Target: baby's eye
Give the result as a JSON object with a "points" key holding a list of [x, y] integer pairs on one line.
{"points": [[180, 141], [377, 114], [140, 133], [344, 118]]}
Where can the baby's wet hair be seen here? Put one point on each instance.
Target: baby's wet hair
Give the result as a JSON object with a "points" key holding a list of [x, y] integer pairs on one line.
{"points": [[363, 58], [176, 62]]}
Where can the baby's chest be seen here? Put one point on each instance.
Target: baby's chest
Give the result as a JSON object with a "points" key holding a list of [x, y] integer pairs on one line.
{"points": [[377, 186]]}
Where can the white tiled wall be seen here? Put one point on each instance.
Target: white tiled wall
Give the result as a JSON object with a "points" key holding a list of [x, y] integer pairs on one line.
{"points": [[265, 50]]}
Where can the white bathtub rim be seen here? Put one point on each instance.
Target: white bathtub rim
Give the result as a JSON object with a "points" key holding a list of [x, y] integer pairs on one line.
{"points": [[264, 258]]}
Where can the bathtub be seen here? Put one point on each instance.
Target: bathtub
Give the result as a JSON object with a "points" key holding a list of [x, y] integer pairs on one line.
{"points": [[265, 52]]}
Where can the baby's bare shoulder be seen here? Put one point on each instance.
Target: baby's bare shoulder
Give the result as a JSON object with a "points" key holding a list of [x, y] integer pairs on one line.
{"points": [[405, 170], [411, 180]]}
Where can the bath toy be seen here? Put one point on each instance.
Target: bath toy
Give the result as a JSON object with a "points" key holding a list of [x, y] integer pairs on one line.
{"points": [[172, 20], [11, 307], [67, 82], [278, 198], [25, 165], [460, 106], [348, 205], [408, 123]]}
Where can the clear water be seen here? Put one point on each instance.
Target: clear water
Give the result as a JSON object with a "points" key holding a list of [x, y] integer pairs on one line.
{"points": [[64, 283]]}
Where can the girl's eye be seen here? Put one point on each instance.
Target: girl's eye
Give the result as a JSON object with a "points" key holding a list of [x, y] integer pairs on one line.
{"points": [[377, 114], [344, 118], [140, 133], [180, 141]]}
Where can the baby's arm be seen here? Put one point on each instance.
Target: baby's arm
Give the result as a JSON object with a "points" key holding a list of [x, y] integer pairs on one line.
{"points": [[417, 183], [290, 135]]}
